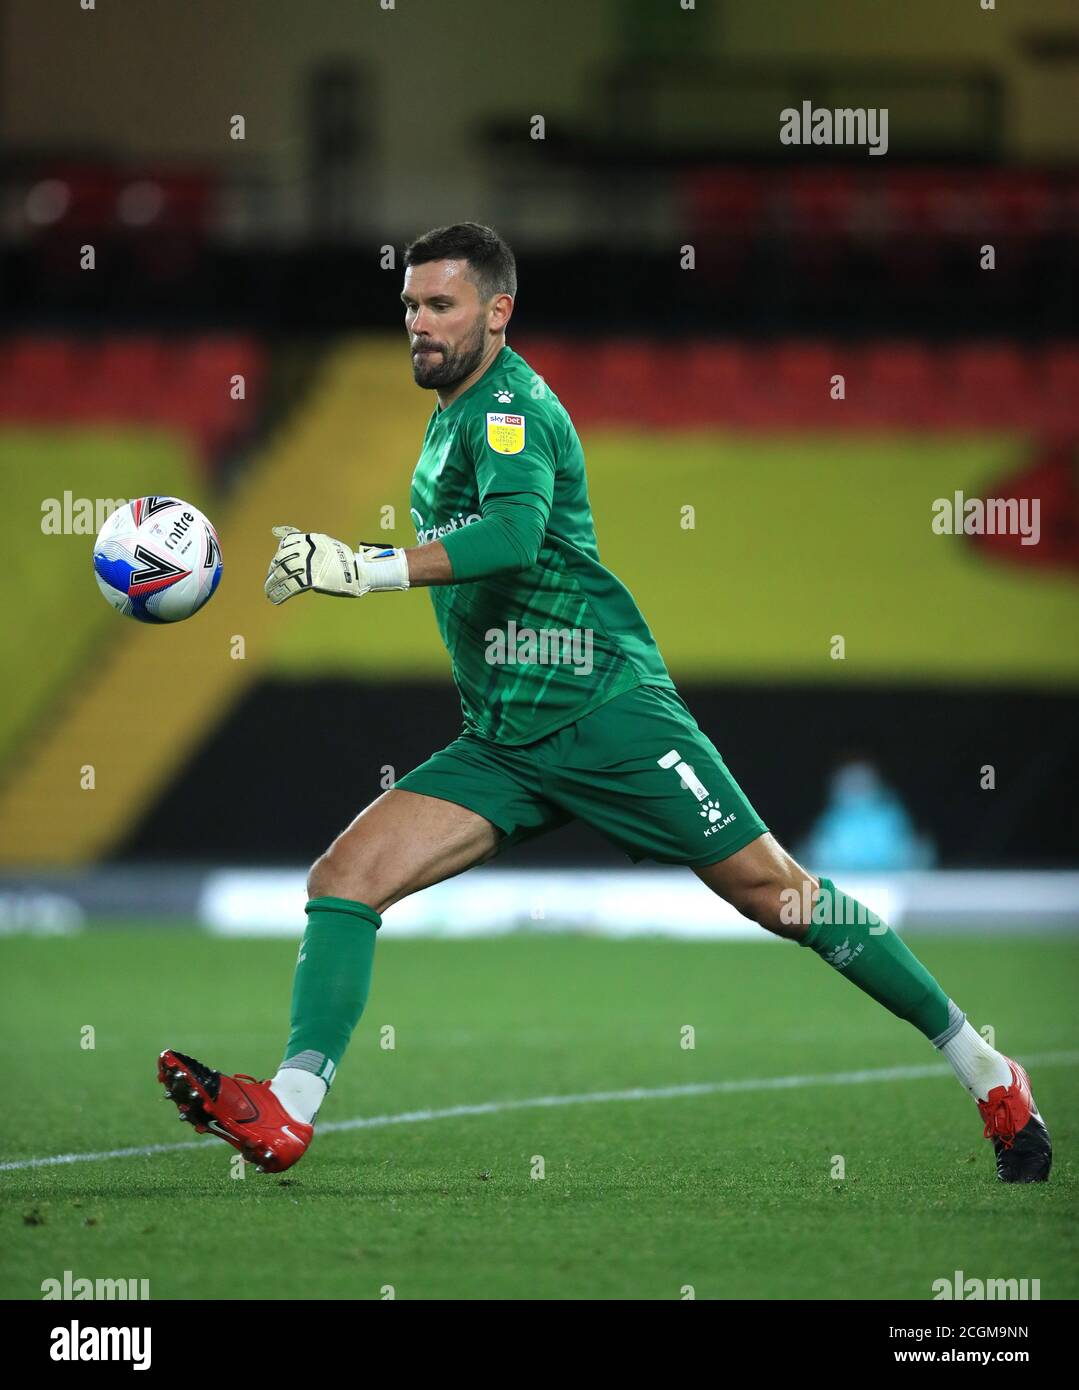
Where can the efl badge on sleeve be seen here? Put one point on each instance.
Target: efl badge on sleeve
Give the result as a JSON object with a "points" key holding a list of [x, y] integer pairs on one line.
{"points": [[505, 433]]}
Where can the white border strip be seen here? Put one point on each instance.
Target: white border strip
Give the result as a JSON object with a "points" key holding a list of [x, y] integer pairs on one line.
{"points": [[617, 903], [499, 1107], [494, 902]]}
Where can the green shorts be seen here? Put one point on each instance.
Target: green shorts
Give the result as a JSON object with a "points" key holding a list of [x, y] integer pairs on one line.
{"points": [[638, 769]]}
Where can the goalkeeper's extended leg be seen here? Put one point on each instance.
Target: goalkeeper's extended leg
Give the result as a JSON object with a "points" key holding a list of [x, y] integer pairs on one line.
{"points": [[765, 884], [401, 843]]}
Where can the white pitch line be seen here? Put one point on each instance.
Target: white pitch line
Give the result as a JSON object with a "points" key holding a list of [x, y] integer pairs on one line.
{"points": [[498, 1107]]}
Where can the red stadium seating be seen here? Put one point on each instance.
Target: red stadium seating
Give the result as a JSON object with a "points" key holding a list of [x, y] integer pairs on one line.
{"points": [[994, 380], [716, 378], [892, 385], [182, 385], [186, 384], [907, 220]]}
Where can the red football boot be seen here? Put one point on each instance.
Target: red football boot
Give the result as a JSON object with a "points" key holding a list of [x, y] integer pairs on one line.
{"points": [[1023, 1147], [242, 1111]]}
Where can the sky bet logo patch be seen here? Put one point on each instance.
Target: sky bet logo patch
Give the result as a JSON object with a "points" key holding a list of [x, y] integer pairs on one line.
{"points": [[505, 433]]}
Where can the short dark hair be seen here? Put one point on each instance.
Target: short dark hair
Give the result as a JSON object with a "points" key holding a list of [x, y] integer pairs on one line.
{"points": [[493, 268]]}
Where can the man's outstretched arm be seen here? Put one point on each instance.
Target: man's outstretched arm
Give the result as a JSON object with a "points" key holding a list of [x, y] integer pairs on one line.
{"points": [[506, 539]]}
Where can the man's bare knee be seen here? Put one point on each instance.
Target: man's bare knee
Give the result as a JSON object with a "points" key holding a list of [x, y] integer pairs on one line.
{"points": [[401, 843], [759, 901], [332, 875], [781, 904], [320, 878], [764, 883]]}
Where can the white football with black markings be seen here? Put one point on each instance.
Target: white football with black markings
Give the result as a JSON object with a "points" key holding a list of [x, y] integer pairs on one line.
{"points": [[157, 559]]}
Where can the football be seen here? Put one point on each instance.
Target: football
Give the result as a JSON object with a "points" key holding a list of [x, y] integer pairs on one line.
{"points": [[157, 559]]}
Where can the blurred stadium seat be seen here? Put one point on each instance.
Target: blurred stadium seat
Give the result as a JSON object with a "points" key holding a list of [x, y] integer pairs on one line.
{"points": [[182, 384], [892, 383]]}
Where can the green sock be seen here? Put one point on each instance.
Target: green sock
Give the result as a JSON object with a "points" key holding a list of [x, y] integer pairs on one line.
{"points": [[856, 942], [332, 981]]}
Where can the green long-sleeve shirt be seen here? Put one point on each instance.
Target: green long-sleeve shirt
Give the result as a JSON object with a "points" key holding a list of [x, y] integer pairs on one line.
{"points": [[538, 631]]}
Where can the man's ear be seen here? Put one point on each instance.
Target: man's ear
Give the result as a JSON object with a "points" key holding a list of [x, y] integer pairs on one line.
{"points": [[501, 310]]}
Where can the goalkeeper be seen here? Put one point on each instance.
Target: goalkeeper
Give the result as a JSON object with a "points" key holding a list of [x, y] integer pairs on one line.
{"points": [[568, 712]]}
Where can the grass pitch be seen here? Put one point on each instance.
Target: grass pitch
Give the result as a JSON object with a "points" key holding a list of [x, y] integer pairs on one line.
{"points": [[730, 1192]]}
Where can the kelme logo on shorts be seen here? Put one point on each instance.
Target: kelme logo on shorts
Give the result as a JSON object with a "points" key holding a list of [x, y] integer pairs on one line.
{"points": [[710, 808]]}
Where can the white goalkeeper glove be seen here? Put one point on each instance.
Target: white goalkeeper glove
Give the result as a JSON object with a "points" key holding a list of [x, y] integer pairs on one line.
{"points": [[310, 560]]}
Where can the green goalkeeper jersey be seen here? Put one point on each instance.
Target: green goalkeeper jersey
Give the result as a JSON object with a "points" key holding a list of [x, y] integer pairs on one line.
{"points": [[537, 648]]}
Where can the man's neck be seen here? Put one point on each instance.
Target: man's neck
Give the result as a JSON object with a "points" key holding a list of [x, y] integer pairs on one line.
{"points": [[446, 398]]}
